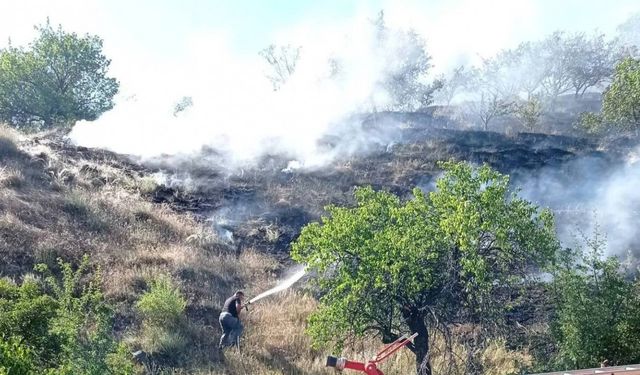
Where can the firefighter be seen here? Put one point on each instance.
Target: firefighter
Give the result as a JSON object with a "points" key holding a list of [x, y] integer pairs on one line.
{"points": [[230, 320]]}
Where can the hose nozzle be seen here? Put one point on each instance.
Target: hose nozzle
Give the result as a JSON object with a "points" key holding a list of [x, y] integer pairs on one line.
{"points": [[335, 362]]}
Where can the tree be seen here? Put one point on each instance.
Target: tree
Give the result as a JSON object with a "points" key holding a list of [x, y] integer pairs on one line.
{"points": [[554, 52], [528, 112], [591, 61], [488, 107], [452, 84], [597, 318], [493, 93], [59, 79], [388, 267], [629, 32], [282, 62], [405, 60], [621, 103]]}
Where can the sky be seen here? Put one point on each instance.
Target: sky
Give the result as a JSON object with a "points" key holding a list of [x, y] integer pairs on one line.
{"points": [[140, 31]]}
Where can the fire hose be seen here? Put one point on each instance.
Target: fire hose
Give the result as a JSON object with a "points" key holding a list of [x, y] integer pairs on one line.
{"points": [[371, 367]]}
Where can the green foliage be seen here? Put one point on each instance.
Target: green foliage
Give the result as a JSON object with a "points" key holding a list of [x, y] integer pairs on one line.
{"points": [[621, 105], [597, 315], [592, 123], [622, 100], [59, 326], [163, 304], [60, 78], [162, 310], [445, 254], [16, 358]]}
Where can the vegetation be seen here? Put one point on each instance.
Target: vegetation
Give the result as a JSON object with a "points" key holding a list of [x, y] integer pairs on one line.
{"points": [[59, 79], [621, 105], [163, 319], [455, 265], [282, 61], [393, 267], [597, 310], [529, 112], [58, 326]]}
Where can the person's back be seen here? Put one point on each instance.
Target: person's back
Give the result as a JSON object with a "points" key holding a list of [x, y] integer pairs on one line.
{"points": [[231, 305]]}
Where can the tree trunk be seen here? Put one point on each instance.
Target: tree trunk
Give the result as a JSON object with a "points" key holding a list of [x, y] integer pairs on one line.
{"points": [[420, 347]]}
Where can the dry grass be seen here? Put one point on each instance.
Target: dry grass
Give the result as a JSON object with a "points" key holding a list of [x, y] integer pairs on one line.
{"points": [[8, 143], [11, 178]]}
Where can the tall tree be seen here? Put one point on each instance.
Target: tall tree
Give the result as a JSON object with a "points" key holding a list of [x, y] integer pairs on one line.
{"points": [[388, 267], [405, 63], [591, 61], [60, 78], [629, 32]]}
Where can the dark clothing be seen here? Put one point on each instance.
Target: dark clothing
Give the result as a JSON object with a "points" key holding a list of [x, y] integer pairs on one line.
{"points": [[231, 330], [230, 306]]}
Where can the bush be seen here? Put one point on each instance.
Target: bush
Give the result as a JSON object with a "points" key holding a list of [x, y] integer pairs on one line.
{"points": [[597, 315], [163, 304], [8, 147], [59, 326], [162, 310], [16, 358]]}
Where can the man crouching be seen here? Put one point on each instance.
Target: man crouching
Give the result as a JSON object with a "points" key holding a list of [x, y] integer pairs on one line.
{"points": [[230, 321]]}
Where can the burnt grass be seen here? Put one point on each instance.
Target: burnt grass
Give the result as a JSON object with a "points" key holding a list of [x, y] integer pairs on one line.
{"points": [[266, 205]]}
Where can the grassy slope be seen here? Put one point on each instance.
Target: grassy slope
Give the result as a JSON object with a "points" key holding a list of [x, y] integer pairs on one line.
{"points": [[54, 205], [51, 207]]}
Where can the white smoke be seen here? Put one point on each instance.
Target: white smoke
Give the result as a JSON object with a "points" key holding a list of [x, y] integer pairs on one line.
{"points": [[591, 194], [236, 111], [234, 107]]}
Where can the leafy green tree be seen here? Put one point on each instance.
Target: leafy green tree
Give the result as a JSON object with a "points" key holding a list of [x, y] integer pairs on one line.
{"points": [[621, 104], [389, 267], [60, 78], [597, 316]]}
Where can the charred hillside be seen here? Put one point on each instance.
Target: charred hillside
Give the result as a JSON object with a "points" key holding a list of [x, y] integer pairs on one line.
{"points": [[265, 204]]}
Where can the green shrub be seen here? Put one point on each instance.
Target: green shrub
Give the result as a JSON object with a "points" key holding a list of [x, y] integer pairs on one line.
{"points": [[59, 326], [162, 310], [163, 304], [16, 358], [597, 316]]}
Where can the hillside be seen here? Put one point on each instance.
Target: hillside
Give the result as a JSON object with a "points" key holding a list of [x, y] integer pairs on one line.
{"points": [[215, 230]]}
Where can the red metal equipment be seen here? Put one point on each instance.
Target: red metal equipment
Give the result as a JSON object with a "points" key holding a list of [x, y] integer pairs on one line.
{"points": [[371, 367]]}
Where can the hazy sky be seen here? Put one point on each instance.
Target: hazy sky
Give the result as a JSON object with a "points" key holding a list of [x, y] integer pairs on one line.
{"points": [[162, 29]]}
